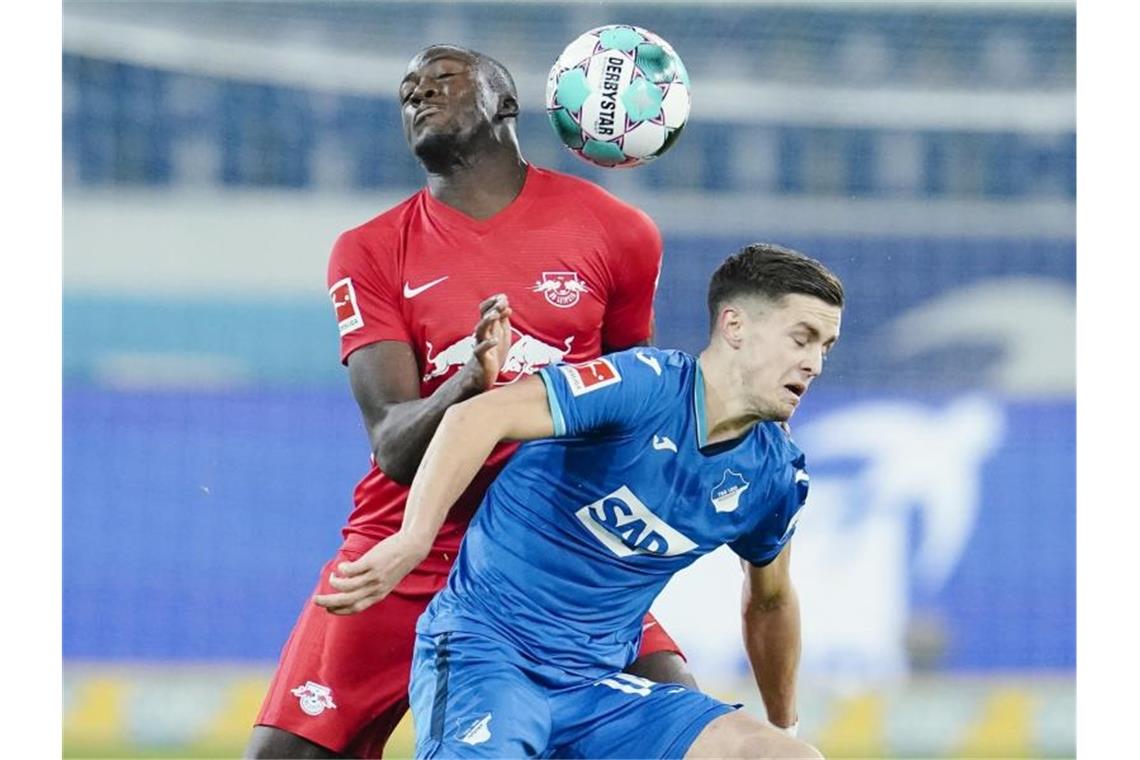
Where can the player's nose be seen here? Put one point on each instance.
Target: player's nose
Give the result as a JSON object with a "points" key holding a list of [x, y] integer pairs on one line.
{"points": [[425, 90], [812, 364]]}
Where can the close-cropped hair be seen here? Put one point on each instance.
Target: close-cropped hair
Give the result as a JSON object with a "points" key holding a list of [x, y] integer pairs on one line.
{"points": [[771, 271], [495, 73]]}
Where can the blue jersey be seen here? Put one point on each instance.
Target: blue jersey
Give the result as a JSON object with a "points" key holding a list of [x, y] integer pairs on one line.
{"points": [[579, 533]]}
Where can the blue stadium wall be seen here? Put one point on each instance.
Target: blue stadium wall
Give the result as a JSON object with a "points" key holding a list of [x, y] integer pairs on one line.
{"points": [[195, 521]]}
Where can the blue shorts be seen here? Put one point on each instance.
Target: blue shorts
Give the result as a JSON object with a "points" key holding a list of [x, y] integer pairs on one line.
{"points": [[475, 696]]}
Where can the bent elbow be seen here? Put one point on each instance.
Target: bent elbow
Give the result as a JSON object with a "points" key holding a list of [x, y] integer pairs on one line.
{"points": [[391, 461]]}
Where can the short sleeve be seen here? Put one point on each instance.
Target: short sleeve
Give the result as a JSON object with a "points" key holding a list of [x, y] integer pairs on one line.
{"points": [[766, 540], [608, 394], [366, 305], [635, 264]]}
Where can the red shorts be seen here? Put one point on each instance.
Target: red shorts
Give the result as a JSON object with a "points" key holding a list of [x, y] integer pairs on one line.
{"points": [[342, 681]]}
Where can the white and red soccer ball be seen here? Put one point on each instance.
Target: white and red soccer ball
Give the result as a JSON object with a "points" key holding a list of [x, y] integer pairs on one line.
{"points": [[618, 96]]}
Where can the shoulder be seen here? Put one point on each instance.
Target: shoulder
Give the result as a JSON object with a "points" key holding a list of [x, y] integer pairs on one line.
{"points": [[661, 370], [777, 437], [784, 459], [594, 197], [383, 227], [376, 239]]}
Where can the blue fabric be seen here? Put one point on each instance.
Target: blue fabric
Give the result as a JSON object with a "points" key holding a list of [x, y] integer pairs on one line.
{"points": [[578, 535], [555, 406], [474, 696]]}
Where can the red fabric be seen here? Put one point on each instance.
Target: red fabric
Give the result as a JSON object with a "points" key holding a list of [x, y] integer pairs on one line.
{"points": [[365, 661], [580, 270], [654, 638], [578, 266]]}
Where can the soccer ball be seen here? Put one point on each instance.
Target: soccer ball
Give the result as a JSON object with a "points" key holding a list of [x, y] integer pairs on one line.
{"points": [[618, 96]]}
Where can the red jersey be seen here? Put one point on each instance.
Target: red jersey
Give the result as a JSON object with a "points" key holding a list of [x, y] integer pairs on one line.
{"points": [[578, 266]]}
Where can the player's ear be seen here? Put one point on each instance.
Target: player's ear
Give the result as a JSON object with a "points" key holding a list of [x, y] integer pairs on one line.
{"points": [[730, 323]]}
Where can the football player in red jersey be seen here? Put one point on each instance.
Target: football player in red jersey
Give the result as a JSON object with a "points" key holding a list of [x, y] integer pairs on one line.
{"points": [[554, 267]]}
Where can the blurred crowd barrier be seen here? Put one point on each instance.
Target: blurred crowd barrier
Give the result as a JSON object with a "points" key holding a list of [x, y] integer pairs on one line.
{"points": [[925, 152], [204, 711]]}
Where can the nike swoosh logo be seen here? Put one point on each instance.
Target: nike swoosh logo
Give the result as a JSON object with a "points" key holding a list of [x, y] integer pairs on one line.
{"points": [[662, 443], [410, 292], [648, 625]]}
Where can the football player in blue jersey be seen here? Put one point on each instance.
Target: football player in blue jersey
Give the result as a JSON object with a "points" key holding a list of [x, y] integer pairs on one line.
{"points": [[637, 464]]}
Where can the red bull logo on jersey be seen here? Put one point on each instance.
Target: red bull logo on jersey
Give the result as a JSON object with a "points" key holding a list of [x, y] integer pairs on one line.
{"points": [[348, 317], [626, 526], [562, 289], [526, 356]]}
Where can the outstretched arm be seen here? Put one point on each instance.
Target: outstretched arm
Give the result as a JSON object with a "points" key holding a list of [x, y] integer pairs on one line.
{"points": [[463, 441], [386, 385], [771, 621]]}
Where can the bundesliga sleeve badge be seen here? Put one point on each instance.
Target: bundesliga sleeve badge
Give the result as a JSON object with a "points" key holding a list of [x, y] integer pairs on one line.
{"points": [[590, 376], [348, 317]]}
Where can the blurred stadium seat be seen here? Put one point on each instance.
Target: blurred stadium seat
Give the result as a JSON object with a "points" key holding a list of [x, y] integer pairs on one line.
{"points": [[926, 152]]}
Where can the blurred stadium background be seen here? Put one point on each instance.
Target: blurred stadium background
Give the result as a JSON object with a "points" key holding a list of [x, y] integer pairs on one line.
{"points": [[213, 151]]}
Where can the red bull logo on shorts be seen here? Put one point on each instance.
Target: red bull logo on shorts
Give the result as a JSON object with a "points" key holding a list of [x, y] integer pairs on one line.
{"points": [[562, 289], [314, 698]]}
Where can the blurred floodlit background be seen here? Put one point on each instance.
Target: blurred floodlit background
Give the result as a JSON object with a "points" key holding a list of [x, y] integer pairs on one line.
{"points": [[926, 152]]}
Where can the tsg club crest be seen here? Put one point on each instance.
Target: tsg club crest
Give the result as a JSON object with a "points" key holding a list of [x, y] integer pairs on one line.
{"points": [[478, 732], [726, 494], [314, 698], [562, 289]]}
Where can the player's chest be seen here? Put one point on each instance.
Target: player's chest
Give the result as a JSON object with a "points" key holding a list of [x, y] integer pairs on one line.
{"points": [[545, 275], [673, 499], [558, 297]]}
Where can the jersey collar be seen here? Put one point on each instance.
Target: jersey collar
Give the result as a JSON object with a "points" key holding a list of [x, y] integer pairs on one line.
{"points": [[702, 423], [441, 212], [699, 407]]}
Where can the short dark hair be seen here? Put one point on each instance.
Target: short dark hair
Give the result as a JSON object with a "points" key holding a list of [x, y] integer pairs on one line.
{"points": [[496, 74], [771, 271]]}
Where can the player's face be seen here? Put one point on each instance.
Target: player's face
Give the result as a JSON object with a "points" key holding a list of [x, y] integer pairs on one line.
{"points": [[442, 102], [783, 349]]}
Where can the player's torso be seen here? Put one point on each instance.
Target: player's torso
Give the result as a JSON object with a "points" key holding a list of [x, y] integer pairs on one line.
{"points": [[577, 536], [552, 267], [653, 501]]}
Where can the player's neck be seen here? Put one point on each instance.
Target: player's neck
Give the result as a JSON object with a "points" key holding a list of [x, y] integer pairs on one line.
{"points": [[727, 413], [481, 185]]}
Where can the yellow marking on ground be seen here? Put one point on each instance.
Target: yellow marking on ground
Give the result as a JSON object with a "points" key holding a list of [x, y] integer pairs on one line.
{"points": [[97, 716], [1003, 729], [236, 712], [856, 730], [403, 741]]}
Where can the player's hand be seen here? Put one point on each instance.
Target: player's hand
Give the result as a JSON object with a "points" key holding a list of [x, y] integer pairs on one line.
{"points": [[367, 580], [492, 342]]}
